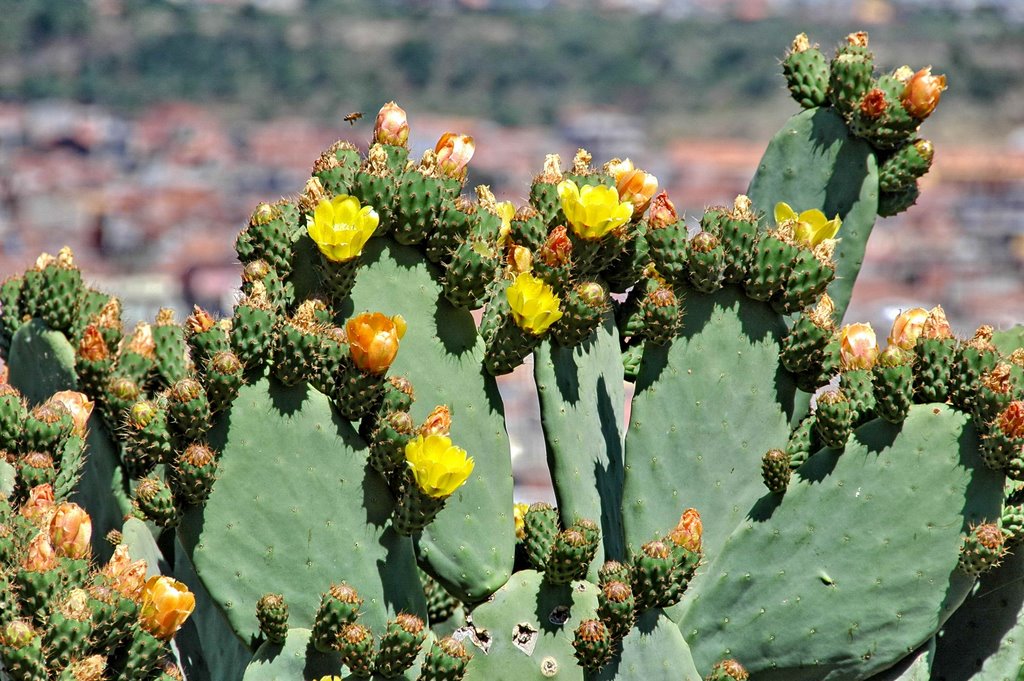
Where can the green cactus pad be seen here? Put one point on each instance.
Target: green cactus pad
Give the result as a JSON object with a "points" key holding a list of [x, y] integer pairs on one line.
{"points": [[653, 649], [581, 407], [530, 624], [469, 546], [812, 162], [268, 484], [830, 613], [706, 409], [806, 75], [982, 640]]}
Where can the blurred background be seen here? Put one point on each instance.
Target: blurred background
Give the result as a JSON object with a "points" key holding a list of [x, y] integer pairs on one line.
{"points": [[142, 133]]}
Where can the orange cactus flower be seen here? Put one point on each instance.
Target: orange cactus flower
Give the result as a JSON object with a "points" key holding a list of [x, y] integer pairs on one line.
{"points": [[71, 531], [922, 93], [373, 340], [166, 604]]}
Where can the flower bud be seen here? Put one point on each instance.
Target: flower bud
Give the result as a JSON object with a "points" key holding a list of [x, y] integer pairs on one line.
{"points": [[40, 556], [39, 505], [90, 668], [520, 258], [92, 347], [439, 422], [166, 604], [18, 634], [1011, 420], [663, 212], [200, 320], [636, 187], [141, 341], [689, 531], [373, 340], [922, 93], [858, 348], [392, 126], [126, 576], [592, 293], [874, 104], [71, 531], [936, 326], [79, 406], [557, 248], [907, 327], [454, 153]]}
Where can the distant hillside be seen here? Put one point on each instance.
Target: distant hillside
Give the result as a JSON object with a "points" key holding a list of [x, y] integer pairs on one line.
{"points": [[335, 57]]}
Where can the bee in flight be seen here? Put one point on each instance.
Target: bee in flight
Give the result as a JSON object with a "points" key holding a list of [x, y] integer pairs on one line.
{"points": [[353, 117]]}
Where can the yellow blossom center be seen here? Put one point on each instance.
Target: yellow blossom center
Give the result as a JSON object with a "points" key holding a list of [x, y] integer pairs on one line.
{"points": [[810, 227], [438, 466], [341, 227], [593, 211], [535, 306]]}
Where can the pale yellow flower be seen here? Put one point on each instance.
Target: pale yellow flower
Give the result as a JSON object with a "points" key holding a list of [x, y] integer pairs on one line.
{"points": [[341, 227], [535, 306], [166, 604], [593, 211], [810, 227], [907, 327], [519, 515], [438, 466], [858, 347]]}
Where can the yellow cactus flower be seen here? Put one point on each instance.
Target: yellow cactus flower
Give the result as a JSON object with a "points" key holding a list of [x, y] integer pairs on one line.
{"points": [[535, 306], [373, 340], [810, 227], [593, 212], [438, 466], [907, 327], [519, 515], [341, 227], [166, 604]]}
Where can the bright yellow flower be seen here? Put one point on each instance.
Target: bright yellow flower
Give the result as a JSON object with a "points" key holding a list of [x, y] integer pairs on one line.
{"points": [[593, 211], [341, 227], [166, 604], [535, 306], [810, 227], [519, 515], [438, 466]]}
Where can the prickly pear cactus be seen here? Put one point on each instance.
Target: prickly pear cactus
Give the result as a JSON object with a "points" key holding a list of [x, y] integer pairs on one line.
{"points": [[327, 477]]}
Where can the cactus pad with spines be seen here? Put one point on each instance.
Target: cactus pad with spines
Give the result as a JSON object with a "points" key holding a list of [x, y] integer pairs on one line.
{"points": [[800, 556]]}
